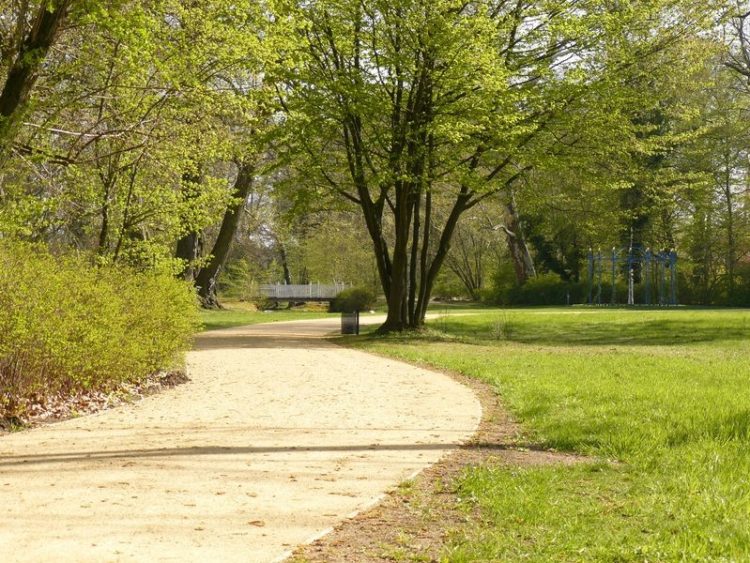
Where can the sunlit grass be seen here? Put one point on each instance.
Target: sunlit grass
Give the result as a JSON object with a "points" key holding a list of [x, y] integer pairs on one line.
{"points": [[663, 397]]}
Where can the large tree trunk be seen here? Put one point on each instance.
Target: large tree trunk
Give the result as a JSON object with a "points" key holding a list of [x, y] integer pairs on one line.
{"points": [[397, 318], [25, 68], [207, 276]]}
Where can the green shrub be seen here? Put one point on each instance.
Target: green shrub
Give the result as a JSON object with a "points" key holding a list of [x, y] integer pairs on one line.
{"points": [[66, 326], [239, 281], [545, 289], [353, 299]]}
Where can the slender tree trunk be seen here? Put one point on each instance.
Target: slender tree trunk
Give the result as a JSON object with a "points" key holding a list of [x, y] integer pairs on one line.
{"points": [[126, 229], [441, 252], [104, 229], [523, 264], [414, 263], [284, 262], [287, 273], [189, 246], [205, 281], [730, 253], [424, 264]]}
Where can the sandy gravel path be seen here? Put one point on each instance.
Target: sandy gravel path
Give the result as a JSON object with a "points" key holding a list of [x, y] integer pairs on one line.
{"points": [[278, 436]]}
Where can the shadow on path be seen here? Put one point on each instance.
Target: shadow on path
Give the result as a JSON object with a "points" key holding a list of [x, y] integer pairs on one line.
{"points": [[281, 340], [10, 461]]}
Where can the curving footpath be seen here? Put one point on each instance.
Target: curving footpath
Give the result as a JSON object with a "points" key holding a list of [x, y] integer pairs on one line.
{"points": [[278, 436]]}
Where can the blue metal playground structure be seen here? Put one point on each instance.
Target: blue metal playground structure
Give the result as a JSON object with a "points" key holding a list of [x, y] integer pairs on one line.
{"points": [[655, 272]]}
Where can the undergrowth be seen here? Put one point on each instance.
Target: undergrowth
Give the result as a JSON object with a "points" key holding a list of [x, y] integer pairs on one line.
{"points": [[66, 326]]}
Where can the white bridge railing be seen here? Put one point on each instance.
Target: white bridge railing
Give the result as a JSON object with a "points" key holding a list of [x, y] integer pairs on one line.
{"points": [[317, 291]]}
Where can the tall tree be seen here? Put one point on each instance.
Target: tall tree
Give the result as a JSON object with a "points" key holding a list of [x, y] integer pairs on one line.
{"points": [[409, 106]]}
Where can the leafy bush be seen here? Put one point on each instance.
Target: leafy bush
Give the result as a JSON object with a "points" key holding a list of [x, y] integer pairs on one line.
{"points": [[546, 289], [353, 299], [448, 287], [241, 280], [66, 326]]}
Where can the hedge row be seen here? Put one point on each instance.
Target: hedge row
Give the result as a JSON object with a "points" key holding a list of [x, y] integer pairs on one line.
{"points": [[546, 289], [353, 299], [66, 326]]}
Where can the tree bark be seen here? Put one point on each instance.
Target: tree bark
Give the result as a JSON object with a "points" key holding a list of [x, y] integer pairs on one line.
{"points": [[189, 246], [396, 320], [28, 61], [523, 264], [411, 153], [205, 281], [284, 262]]}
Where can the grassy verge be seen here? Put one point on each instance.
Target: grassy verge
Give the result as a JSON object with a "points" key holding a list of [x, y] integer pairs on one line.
{"points": [[239, 314], [662, 396]]}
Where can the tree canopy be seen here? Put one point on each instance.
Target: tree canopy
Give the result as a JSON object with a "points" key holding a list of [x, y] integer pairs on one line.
{"points": [[455, 138]]}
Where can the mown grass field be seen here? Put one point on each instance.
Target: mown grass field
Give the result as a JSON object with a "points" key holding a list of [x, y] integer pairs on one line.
{"points": [[660, 401], [236, 313]]}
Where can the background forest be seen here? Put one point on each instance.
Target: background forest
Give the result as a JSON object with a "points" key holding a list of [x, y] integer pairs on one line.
{"points": [[472, 150]]}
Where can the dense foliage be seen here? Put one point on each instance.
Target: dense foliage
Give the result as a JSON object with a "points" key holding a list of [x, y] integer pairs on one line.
{"points": [[414, 147], [417, 112], [353, 299], [66, 327]]}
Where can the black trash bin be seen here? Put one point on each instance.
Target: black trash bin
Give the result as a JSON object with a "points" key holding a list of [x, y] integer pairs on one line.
{"points": [[350, 323]]}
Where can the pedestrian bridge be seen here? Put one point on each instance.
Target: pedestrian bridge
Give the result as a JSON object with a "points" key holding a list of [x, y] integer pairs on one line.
{"points": [[306, 292]]}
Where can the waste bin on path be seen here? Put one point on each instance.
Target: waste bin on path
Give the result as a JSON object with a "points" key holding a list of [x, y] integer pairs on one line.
{"points": [[350, 323]]}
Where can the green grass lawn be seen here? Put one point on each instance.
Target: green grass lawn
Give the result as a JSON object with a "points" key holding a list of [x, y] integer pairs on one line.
{"points": [[239, 314], [660, 397]]}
